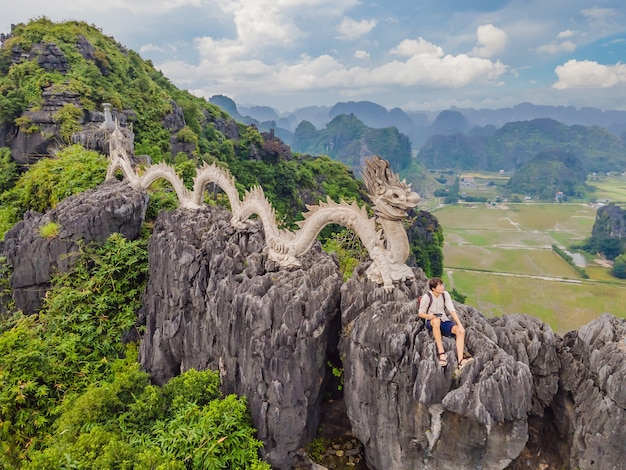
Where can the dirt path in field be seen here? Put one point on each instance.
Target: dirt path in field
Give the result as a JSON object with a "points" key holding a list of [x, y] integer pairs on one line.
{"points": [[450, 280], [604, 263], [495, 273]]}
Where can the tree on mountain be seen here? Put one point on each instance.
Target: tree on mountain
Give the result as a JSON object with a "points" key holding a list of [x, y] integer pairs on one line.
{"points": [[608, 235], [548, 173], [304, 138], [619, 267]]}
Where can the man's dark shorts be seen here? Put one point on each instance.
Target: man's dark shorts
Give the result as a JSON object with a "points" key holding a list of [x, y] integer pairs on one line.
{"points": [[446, 327]]}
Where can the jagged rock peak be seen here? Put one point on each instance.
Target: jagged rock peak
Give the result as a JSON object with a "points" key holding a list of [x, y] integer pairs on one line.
{"points": [[214, 300]]}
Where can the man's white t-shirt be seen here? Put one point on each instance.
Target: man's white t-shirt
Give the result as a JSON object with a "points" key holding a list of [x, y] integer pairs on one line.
{"points": [[436, 306]]}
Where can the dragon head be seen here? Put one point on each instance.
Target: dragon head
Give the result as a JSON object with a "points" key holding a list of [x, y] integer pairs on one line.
{"points": [[391, 197]]}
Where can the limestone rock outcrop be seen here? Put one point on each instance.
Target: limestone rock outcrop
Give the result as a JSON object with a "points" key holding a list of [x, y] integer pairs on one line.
{"points": [[28, 146], [90, 216], [591, 402], [215, 301], [411, 413], [610, 222]]}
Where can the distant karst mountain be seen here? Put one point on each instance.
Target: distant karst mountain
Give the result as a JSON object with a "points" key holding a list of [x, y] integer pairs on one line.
{"points": [[419, 125], [376, 116], [551, 175], [347, 139], [509, 147]]}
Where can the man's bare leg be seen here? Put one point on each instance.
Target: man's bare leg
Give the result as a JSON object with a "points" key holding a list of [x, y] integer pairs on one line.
{"points": [[460, 346], [435, 323], [460, 341]]}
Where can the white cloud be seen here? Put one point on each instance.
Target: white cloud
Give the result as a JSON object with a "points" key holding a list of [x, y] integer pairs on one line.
{"points": [[361, 54], [220, 52], [352, 29], [599, 14], [555, 48], [264, 25], [151, 48], [419, 46], [424, 65], [260, 22], [603, 20], [568, 33], [491, 40], [589, 74]]}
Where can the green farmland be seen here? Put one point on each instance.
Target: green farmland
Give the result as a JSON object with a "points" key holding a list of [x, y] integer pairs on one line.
{"points": [[501, 258], [612, 188]]}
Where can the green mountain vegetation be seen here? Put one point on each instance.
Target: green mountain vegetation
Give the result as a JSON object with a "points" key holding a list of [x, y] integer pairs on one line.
{"points": [[71, 393], [509, 147], [551, 175], [119, 76], [349, 140], [421, 180], [608, 237]]}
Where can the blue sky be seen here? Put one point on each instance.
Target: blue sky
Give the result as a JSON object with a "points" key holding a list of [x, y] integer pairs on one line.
{"points": [[413, 54]]}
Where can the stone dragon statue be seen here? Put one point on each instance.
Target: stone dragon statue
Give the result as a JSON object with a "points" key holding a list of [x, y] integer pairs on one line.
{"points": [[383, 236]]}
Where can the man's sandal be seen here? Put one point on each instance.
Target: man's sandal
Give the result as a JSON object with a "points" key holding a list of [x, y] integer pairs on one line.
{"points": [[465, 361], [443, 360]]}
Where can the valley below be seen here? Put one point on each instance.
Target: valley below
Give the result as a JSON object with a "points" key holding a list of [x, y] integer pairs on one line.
{"points": [[500, 257]]}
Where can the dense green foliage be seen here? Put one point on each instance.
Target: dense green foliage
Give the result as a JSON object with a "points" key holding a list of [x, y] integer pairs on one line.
{"points": [[344, 137], [47, 357], [454, 151], [551, 175], [49, 181], [608, 235], [65, 396], [513, 144], [610, 247], [347, 246], [619, 267], [291, 184], [128, 423], [8, 170], [426, 243]]}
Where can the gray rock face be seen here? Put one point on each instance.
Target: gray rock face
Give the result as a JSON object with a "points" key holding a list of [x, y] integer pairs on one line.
{"points": [[214, 301], [175, 120], [610, 222], [88, 51], [91, 216], [228, 127], [411, 413], [592, 398], [532, 342], [28, 147], [50, 57], [96, 137]]}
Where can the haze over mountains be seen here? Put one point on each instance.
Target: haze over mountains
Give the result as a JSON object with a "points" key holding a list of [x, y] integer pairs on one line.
{"points": [[420, 125]]}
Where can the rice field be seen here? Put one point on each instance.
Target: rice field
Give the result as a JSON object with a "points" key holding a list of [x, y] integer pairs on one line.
{"points": [[501, 258], [563, 305], [612, 188]]}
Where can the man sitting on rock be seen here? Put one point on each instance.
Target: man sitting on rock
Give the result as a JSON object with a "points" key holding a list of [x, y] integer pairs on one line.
{"points": [[432, 308]]}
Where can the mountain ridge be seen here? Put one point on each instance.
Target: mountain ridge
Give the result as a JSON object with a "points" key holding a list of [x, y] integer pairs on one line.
{"points": [[415, 123]]}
